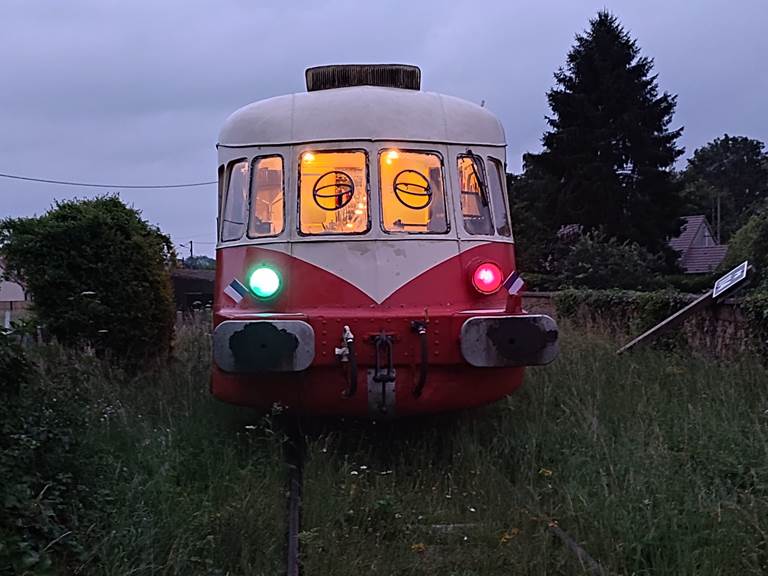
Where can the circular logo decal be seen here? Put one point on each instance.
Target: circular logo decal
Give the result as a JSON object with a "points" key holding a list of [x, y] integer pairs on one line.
{"points": [[333, 190], [412, 189]]}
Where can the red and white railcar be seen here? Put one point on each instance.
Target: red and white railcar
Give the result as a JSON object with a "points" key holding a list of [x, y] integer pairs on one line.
{"points": [[365, 264]]}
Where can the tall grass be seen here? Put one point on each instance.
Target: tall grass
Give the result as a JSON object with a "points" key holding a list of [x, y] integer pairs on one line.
{"points": [[656, 463], [170, 481]]}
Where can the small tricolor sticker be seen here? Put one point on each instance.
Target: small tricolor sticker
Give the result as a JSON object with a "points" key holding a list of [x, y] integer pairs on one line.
{"points": [[236, 290], [514, 283]]}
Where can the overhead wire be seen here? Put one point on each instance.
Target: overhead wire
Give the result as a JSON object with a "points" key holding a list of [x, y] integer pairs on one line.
{"points": [[110, 186]]}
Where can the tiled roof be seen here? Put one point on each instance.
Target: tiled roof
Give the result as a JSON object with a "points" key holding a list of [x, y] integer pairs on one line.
{"points": [[688, 232], [194, 273], [701, 259]]}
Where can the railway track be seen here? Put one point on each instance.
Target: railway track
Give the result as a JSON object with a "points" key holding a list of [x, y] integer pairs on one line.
{"points": [[294, 450]]}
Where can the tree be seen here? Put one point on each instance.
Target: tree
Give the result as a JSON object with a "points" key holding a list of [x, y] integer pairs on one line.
{"points": [[199, 263], [97, 274], [727, 178], [750, 242], [608, 158]]}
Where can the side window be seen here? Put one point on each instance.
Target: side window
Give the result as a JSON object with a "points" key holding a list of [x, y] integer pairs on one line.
{"points": [[412, 192], [496, 183], [267, 198], [233, 219], [475, 206], [333, 193]]}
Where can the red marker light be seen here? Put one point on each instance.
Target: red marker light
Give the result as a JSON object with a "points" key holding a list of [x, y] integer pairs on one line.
{"points": [[487, 278]]}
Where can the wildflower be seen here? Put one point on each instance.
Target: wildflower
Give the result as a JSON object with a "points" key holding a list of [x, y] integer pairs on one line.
{"points": [[250, 427], [419, 548], [509, 534], [363, 467], [545, 472], [354, 473], [471, 509]]}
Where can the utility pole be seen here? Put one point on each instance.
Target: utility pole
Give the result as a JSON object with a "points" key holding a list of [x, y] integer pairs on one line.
{"points": [[191, 250]]}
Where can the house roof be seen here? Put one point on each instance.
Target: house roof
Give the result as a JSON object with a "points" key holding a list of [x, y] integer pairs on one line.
{"points": [[688, 232], [193, 273], [699, 259], [10, 291]]}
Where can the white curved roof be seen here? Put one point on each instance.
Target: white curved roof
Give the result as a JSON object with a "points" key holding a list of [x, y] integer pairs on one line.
{"points": [[362, 113]]}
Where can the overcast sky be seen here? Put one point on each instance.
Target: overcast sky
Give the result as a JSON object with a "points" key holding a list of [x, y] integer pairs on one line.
{"points": [[135, 92]]}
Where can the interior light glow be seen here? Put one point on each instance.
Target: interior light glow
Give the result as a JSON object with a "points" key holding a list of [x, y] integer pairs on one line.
{"points": [[391, 155], [308, 157], [487, 278], [264, 282]]}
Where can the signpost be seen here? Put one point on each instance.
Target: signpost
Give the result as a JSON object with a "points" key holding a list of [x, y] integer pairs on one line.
{"points": [[725, 285], [734, 277]]}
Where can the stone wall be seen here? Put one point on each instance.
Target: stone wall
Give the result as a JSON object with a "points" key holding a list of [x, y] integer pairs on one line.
{"points": [[720, 330]]}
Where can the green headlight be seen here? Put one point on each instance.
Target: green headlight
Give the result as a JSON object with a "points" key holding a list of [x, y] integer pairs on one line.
{"points": [[264, 282]]}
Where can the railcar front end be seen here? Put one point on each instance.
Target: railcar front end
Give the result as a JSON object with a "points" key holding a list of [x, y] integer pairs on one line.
{"points": [[365, 264]]}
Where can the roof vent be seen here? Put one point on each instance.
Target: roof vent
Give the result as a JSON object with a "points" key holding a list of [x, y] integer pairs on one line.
{"points": [[345, 75]]}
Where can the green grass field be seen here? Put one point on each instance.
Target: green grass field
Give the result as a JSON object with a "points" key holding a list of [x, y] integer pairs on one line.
{"points": [[656, 463]]}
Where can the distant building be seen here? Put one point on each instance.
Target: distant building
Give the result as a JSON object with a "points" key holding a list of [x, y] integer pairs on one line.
{"points": [[13, 300], [699, 251], [192, 288]]}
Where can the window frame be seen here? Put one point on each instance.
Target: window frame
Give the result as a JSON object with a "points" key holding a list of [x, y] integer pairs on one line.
{"points": [[368, 228], [250, 197], [225, 198], [381, 191], [472, 156], [501, 166]]}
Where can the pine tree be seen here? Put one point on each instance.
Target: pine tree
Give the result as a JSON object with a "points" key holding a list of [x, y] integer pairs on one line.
{"points": [[608, 158]]}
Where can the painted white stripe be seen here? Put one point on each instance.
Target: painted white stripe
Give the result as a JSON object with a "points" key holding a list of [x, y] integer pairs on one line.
{"points": [[377, 268]]}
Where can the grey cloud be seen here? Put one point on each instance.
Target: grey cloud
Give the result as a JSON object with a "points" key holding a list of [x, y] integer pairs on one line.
{"points": [[105, 90]]}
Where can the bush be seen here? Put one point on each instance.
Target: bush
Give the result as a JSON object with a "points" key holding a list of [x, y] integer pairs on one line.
{"points": [[594, 261], [49, 470], [98, 275], [627, 309], [13, 366], [750, 243]]}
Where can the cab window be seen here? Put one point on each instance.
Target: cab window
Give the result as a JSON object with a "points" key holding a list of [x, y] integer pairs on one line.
{"points": [[235, 202], [267, 199], [475, 206], [412, 192], [333, 193], [496, 184]]}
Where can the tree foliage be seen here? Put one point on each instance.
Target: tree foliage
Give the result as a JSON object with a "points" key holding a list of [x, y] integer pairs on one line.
{"points": [[97, 274], [595, 261], [609, 154], [750, 242], [732, 170], [199, 263]]}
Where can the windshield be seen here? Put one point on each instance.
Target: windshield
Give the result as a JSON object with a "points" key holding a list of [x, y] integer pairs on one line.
{"points": [[475, 207], [333, 197], [412, 192], [233, 219]]}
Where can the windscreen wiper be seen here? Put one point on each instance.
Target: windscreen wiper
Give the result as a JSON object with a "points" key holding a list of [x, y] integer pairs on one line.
{"points": [[477, 170]]}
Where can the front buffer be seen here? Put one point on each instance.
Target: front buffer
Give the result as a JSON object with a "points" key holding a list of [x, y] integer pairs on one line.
{"points": [[402, 367]]}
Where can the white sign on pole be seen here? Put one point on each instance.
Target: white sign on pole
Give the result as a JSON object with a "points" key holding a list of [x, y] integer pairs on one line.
{"points": [[735, 276]]}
